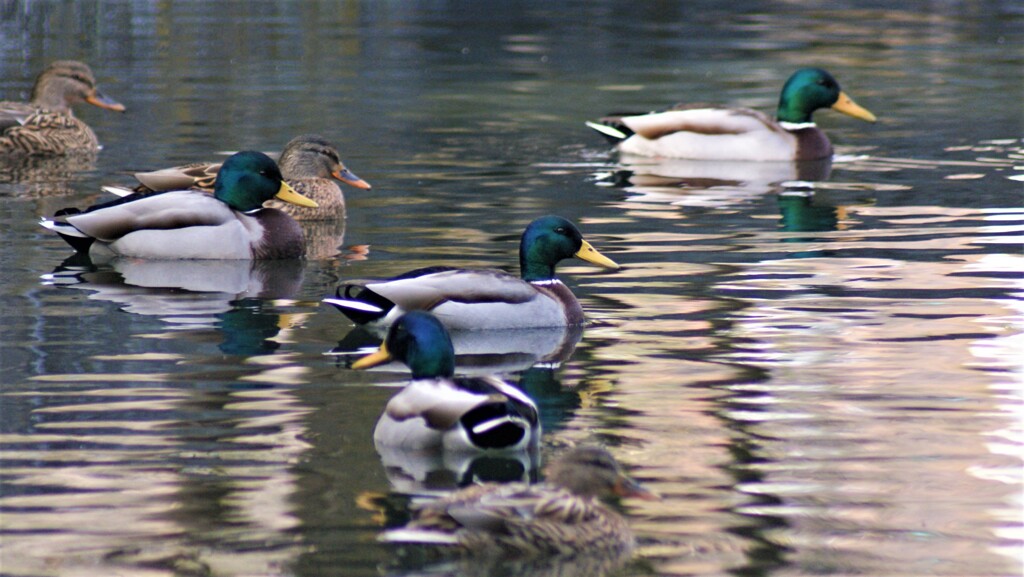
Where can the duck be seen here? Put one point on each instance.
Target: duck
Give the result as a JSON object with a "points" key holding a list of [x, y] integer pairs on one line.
{"points": [[190, 224], [308, 163], [474, 299], [438, 411], [562, 516], [708, 133], [46, 125]]}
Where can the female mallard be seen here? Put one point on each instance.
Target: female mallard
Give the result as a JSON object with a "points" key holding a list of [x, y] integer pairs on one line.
{"points": [[184, 224], [308, 163], [562, 516], [46, 125], [483, 299], [702, 133], [436, 410]]}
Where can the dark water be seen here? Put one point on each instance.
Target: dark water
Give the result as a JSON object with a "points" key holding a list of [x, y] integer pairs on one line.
{"points": [[819, 372]]}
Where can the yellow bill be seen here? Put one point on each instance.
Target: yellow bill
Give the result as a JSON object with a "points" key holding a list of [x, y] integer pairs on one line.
{"points": [[288, 194], [846, 105], [374, 359], [588, 253]]}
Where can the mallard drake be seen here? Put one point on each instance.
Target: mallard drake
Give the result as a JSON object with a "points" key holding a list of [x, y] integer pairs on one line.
{"points": [[308, 163], [438, 411], [46, 126], [562, 516], [191, 224], [704, 133], [483, 299]]}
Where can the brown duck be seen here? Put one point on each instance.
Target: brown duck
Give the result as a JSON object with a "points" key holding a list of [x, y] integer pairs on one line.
{"points": [[46, 126], [561, 517], [308, 162]]}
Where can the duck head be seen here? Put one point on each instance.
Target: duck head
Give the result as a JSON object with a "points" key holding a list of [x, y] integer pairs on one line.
{"points": [[312, 156], [549, 240], [67, 82], [591, 471], [247, 179], [420, 341], [809, 89]]}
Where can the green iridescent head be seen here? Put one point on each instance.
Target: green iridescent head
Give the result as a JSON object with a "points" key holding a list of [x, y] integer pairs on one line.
{"points": [[247, 179], [420, 341], [809, 89], [549, 240]]}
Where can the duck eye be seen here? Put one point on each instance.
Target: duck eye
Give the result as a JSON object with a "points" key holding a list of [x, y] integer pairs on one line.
{"points": [[560, 230]]}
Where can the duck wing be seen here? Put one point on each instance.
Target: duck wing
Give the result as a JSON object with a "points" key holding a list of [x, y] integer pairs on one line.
{"points": [[702, 120], [427, 291], [439, 402], [194, 175], [164, 211], [444, 402], [15, 114]]}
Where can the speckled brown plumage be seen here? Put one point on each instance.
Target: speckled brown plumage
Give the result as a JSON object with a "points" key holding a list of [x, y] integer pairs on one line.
{"points": [[309, 163], [563, 516], [46, 126]]}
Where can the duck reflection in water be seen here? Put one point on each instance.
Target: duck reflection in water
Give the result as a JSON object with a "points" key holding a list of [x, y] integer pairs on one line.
{"points": [[232, 296], [438, 426], [484, 352], [45, 176], [709, 183]]}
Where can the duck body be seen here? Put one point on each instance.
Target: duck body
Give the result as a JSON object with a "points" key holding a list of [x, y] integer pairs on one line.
{"points": [[458, 415], [190, 224], [563, 516], [438, 411], [466, 299], [309, 164], [721, 134], [46, 126], [709, 133]]}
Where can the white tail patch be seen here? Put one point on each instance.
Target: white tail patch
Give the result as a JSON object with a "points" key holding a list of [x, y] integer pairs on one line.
{"points": [[608, 130], [355, 305], [117, 190], [418, 536], [62, 228]]}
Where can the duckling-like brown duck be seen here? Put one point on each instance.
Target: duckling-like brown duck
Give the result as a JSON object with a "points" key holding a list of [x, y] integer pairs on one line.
{"points": [[308, 163], [563, 516], [46, 126]]}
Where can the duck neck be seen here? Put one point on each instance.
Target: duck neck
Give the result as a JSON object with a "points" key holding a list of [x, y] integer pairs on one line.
{"points": [[536, 272], [790, 112], [428, 366], [51, 102]]}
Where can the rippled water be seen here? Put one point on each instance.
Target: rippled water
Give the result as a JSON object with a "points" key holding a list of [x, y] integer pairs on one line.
{"points": [[818, 369]]}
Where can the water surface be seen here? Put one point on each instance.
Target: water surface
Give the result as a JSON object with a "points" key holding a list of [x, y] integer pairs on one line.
{"points": [[818, 369]]}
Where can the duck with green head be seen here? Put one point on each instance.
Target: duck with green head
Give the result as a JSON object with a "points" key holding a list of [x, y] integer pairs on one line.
{"points": [[190, 224], [467, 299], [46, 126], [438, 411], [707, 133], [563, 516]]}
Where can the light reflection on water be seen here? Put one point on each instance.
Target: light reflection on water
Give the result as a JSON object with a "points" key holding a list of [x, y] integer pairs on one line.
{"points": [[818, 368]]}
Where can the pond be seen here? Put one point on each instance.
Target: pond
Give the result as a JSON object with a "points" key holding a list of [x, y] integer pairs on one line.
{"points": [[819, 371]]}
